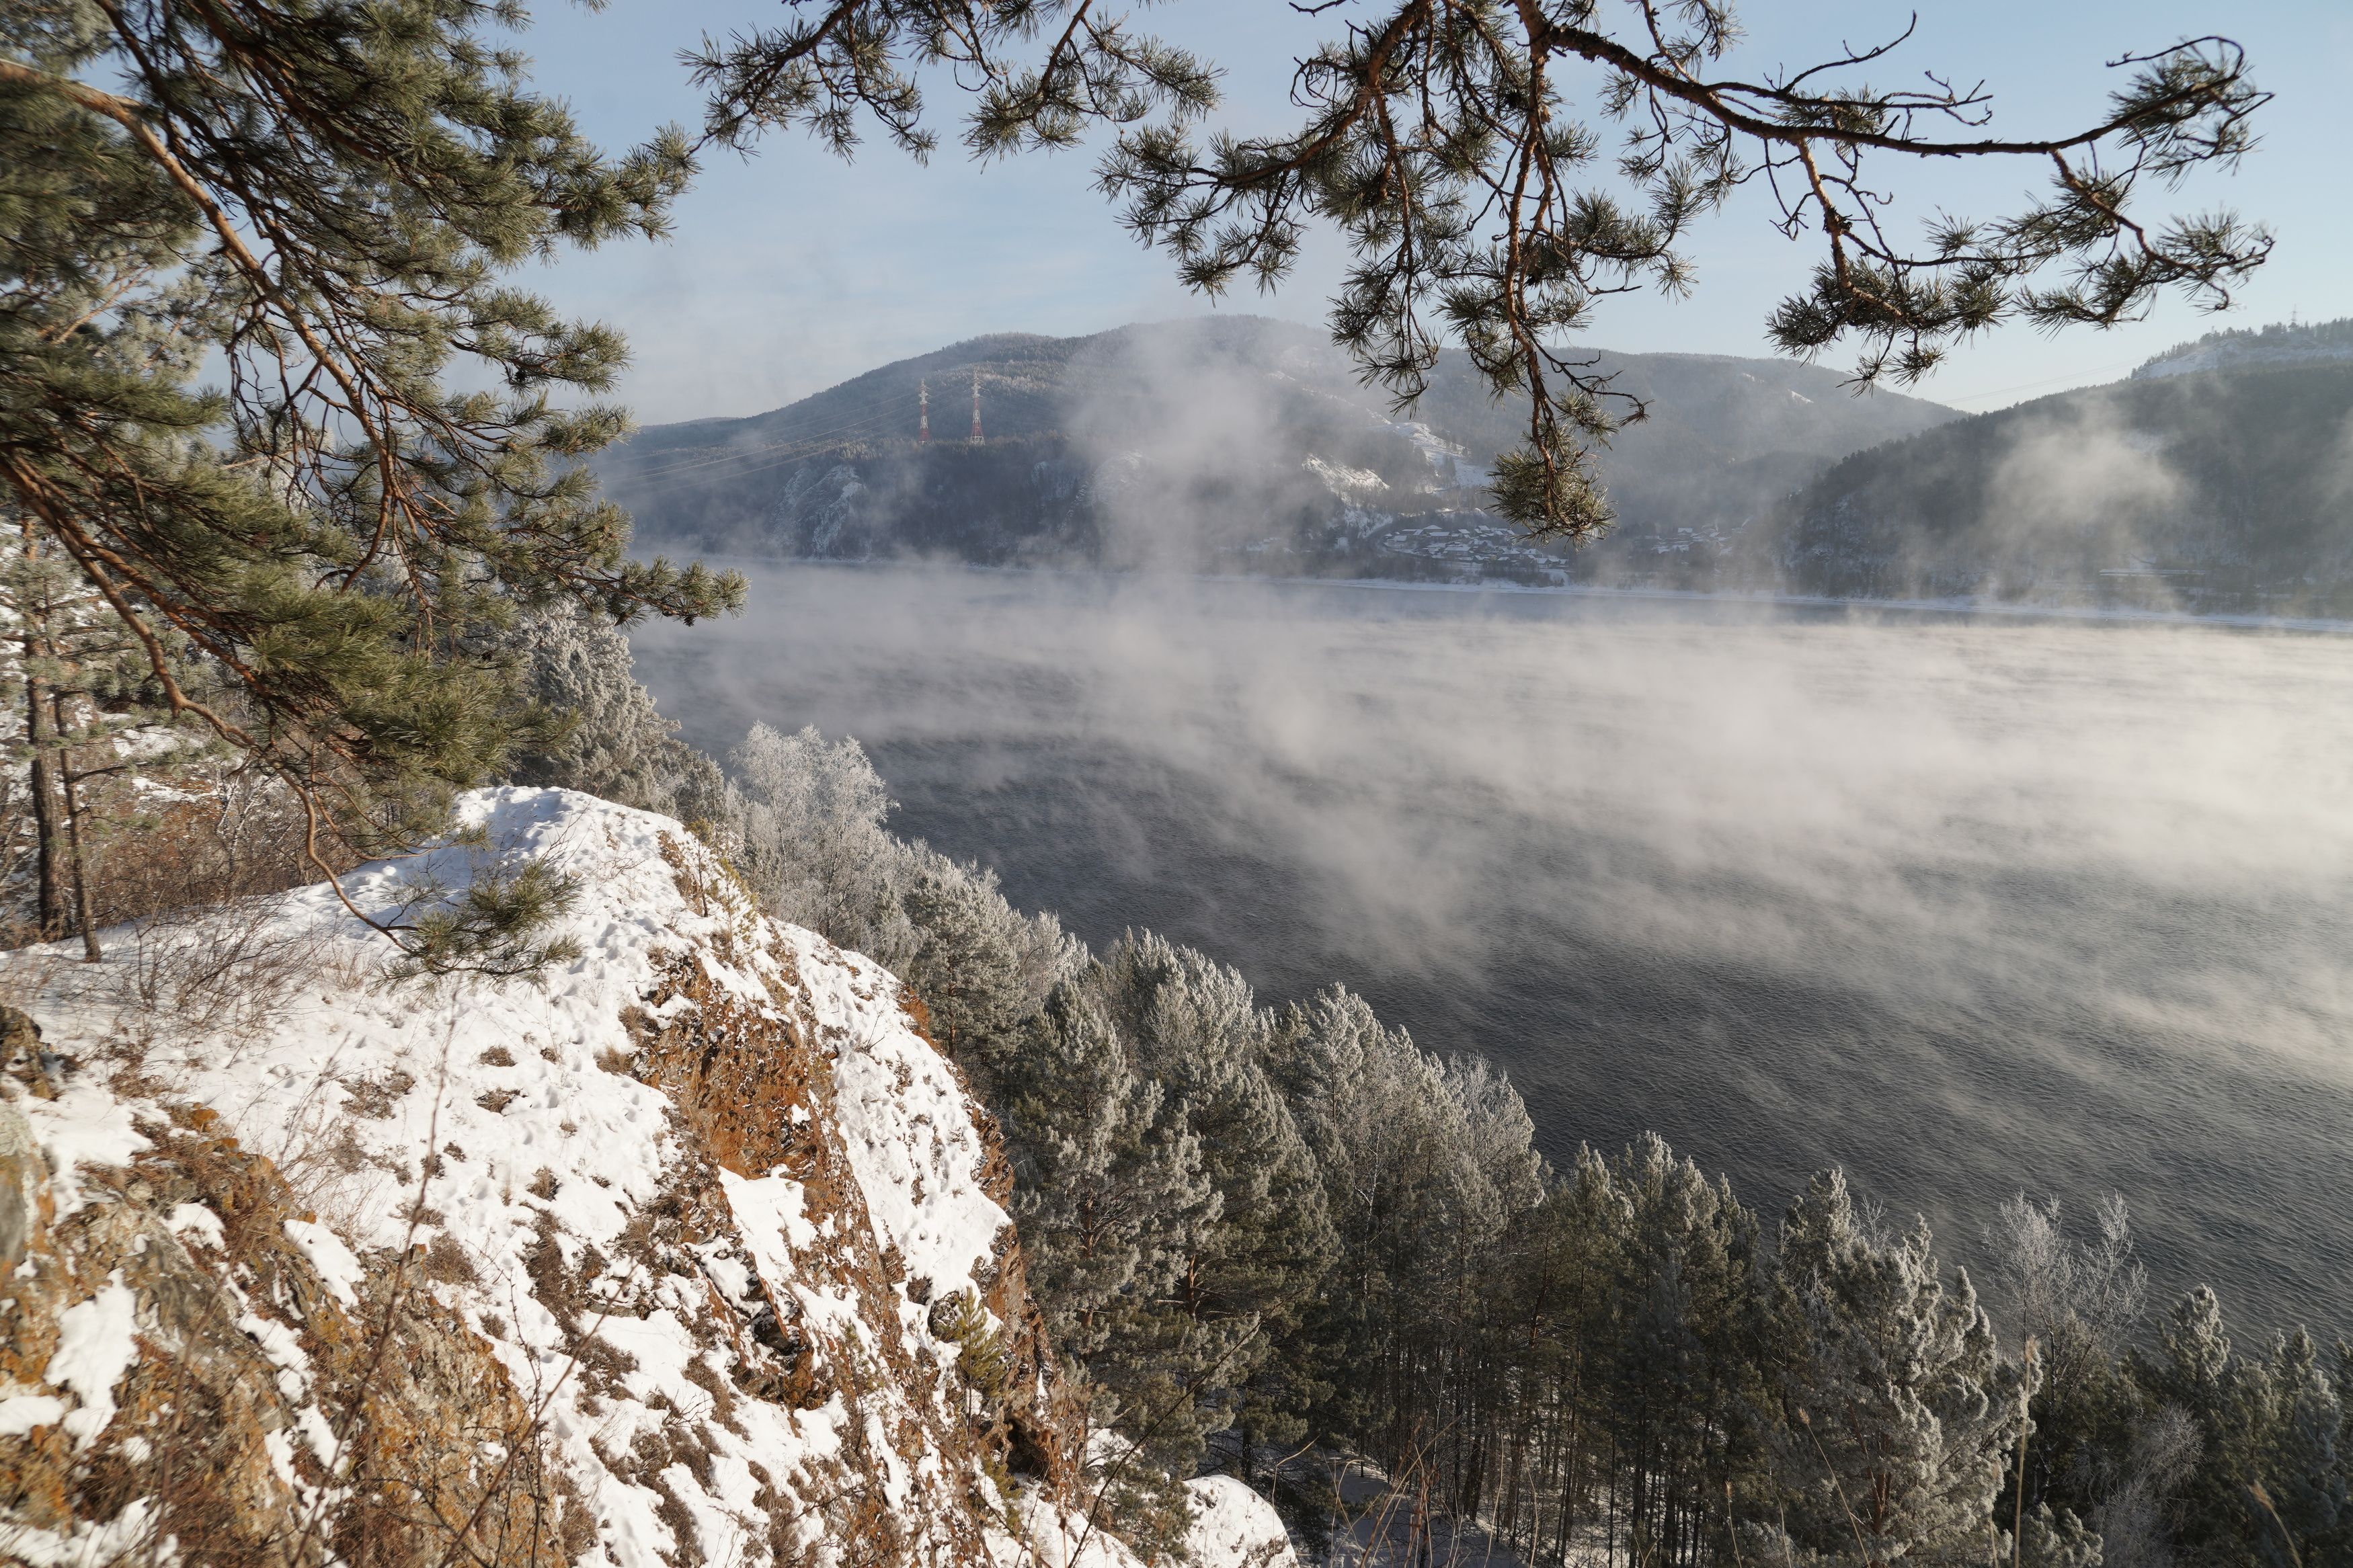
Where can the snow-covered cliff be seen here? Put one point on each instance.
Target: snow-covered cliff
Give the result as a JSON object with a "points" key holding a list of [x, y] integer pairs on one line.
{"points": [[693, 1251]]}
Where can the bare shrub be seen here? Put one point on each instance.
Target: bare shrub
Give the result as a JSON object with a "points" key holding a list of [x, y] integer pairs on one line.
{"points": [[445, 1261], [230, 971], [210, 838], [373, 1097], [178, 883], [227, 838], [324, 1166]]}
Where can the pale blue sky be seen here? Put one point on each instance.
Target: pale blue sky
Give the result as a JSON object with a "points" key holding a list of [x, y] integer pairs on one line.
{"points": [[789, 272]]}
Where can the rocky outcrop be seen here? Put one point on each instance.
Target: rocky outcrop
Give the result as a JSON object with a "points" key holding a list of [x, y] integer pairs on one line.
{"points": [[690, 1251], [191, 1368]]}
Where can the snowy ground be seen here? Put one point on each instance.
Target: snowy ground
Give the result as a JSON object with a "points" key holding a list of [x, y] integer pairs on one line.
{"points": [[505, 1124]]}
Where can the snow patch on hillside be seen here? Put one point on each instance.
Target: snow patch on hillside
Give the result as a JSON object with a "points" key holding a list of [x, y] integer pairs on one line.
{"points": [[1450, 467], [1347, 483]]}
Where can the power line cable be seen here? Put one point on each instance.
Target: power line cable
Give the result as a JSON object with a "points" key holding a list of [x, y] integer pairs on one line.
{"points": [[2046, 381], [803, 441], [779, 462]]}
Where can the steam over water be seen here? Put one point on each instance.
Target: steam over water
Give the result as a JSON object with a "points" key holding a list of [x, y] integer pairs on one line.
{"points": [[1970, 906]]}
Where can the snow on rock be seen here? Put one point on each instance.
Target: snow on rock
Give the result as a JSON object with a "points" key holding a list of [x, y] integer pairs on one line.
{"points": [[95, 1347], [23, 1412], [670, 1256], [1232, 1525]]}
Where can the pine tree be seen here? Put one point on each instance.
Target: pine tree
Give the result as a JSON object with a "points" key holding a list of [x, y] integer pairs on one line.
{"points": [[1245, 1271], [2058, 1541], [1109, 1183], [326, 196], [2300, 1464], [982, 968], [1679, 1364], [814, 843], [1420, 1189], [1500, 1138], [1900, 1417], [1103, 1172], [2271, 1482]]}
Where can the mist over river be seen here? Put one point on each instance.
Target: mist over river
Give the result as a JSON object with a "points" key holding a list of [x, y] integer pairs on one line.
{"points": [[1969, 906]]}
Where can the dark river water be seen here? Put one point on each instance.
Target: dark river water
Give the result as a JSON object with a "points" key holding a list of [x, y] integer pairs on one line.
{"points": [[1970, 906]]}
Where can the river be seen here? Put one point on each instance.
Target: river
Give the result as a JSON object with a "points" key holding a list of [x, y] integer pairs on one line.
{"points": [[1970, 906]]}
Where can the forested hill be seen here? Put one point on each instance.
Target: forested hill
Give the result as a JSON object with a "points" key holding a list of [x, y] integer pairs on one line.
{"points": [[2215, 490], [1229, 442], [2240, 347]]}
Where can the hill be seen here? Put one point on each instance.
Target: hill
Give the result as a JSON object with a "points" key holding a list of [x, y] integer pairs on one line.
{"points": [[2239, 348], [2202, 490], [1229, 442], [695, 1253]]}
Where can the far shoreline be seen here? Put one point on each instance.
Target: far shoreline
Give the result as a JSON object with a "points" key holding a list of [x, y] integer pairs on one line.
{"points": [[1958, 609]]}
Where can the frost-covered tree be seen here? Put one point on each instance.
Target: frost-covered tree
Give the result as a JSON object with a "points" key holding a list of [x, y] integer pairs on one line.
{"points": [[1111, 1176], [1498, 1138], [2059, 1540], [1422, 1183], [2300, 1483], [982, 968], [1109, 1185], [805, 819], [2079, 1301], [609, 738], [1900, 1417], [1679, 1361], [1369, 1104], [2271, 1483], [814, 844], [1246, 1271], [2135, 1519]]}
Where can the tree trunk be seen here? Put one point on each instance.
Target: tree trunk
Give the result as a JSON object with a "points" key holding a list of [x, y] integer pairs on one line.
{"points": [[39, 736], [83, 916]]}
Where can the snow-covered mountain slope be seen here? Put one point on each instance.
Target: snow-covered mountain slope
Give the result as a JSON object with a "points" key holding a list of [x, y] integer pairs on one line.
{"points": [[692, 1251]]}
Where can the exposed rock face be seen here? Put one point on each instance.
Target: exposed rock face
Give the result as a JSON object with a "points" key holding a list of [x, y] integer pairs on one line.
{"points": [[694, 1252]]}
